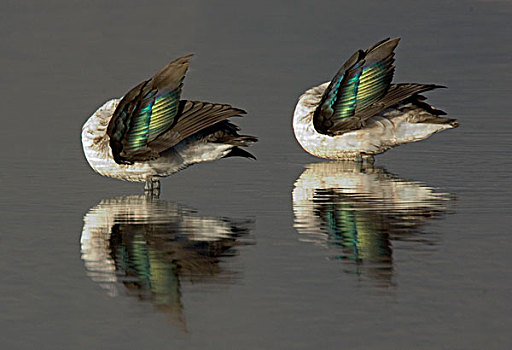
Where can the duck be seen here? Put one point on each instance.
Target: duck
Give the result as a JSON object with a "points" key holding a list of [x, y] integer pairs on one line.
{"points": [[360, 113], [150, 133]]}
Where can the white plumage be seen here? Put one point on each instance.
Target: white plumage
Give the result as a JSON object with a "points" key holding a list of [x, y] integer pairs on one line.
{"points": [[387, 129], [95, 143]]}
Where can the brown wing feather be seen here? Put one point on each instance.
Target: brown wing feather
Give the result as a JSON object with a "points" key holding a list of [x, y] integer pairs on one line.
{"points": [[194, 117], [395, 94], [146, 111], [363, 80]]}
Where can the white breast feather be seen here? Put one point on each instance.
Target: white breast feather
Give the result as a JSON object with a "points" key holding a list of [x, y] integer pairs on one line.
{"points": [[98, 153], [381, 132]]}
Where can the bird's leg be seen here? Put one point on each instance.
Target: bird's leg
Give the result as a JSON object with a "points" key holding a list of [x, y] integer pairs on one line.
{"points": [[369, 159], [148, 187], [156, 184], [152, 187]]}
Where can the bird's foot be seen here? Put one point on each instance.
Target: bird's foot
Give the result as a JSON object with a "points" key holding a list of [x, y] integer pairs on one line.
{"points": [[152, 188], [364, 160], [368, 159]]}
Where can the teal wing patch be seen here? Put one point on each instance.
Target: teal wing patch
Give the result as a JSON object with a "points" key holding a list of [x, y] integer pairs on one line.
{"points": [[155, 116], [362, 81], [346, 99], [145, 112]]}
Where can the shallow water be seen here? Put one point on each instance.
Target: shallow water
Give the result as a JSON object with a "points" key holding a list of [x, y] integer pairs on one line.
{"points": [[288, 251]]}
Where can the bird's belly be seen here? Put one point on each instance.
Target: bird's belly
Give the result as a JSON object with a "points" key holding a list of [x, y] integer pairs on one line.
{"points": [[410, 132], [197, 152], [375, 138], [106, 166], [184, 154]]}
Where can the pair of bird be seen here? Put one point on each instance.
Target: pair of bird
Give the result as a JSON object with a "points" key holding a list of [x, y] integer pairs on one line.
{"points": [[150, 133]]}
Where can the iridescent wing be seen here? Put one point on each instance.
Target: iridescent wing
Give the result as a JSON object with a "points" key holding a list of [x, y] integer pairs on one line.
{"points": [[151, 118], [146, 111], [360, 84]]}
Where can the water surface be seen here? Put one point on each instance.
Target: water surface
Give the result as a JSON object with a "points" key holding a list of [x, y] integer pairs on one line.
{"points": [[411, 252]]}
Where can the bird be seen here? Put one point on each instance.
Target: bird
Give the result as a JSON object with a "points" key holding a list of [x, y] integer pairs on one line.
{"points": [[150, 133], [360, 113]]}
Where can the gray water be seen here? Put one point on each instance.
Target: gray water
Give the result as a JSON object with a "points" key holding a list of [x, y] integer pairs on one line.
{"points": [[286, 252]]}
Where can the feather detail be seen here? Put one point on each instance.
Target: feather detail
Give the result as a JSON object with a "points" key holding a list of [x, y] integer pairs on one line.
{"points": [[359, 113], [395, 94], [146, 111], [192, 117], [150, 133], [360, 82]]}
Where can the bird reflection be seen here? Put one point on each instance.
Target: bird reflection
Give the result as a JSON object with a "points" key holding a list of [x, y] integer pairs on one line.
{"points": [[360, 210], [147, 247]]}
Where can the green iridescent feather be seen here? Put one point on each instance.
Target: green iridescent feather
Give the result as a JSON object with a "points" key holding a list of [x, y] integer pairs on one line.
{"points": [[374, 83], [151, 118], [362, 81], [346, 99], [164, 111], [156, 116], [138, 132], [147, 111]]}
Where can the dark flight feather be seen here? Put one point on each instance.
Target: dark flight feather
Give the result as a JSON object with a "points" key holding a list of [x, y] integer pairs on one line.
{"points": [[146, 111], [151, 118], [239, 152], [396, 93], [193, 117], [361, 83]]}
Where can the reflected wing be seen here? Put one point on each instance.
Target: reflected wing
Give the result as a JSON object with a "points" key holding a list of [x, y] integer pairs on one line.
{"points": [[146, 111], [360, 83]]}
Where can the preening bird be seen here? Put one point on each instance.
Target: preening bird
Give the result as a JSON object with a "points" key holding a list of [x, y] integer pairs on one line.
{"points": [[150, 133], [359, 113]]}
